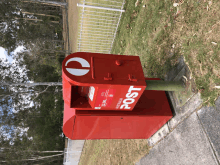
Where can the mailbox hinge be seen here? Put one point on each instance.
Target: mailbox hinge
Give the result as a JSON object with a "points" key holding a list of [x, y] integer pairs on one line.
{"points": [[130, 78], [92, 66], [109, 77]]}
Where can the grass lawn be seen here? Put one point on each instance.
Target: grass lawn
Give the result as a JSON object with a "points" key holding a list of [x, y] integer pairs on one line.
{"points": [[159, 34], [113, 151]]}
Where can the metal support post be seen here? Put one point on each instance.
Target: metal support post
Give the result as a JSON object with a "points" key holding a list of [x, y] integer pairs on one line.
{"points": [[160, 85]]}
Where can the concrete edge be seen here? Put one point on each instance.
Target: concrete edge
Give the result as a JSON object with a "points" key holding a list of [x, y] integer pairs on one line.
{"points": [[73, 152], [159, 135], [208, 139], [82, 149], [192, 105]]}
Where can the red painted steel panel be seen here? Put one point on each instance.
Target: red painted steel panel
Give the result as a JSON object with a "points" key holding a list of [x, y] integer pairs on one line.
{"points": [[68, 120], [150, 113], [77, 69], [125, 82], [105, 98]]}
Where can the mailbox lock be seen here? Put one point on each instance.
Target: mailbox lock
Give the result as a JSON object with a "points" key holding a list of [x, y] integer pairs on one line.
{"points": [[118, 62]]}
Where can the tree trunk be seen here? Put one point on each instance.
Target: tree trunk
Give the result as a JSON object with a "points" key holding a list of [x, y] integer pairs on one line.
{"points": [[40, 14], [33, 84], [49, 151], [52, 50], [43, 157], [51, 3], [31, 19]]}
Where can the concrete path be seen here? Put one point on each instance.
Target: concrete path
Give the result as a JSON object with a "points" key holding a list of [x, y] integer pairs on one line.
{"points": [[191, 137], [73, 152]]}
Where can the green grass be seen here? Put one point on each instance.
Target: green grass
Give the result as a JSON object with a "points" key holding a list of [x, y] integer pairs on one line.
{"points": [[159, 39], [147, 37]]}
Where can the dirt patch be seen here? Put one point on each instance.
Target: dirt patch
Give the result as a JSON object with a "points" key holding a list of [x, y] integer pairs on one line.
{"points": [[65, 31], [73, 12], [113, 151]]}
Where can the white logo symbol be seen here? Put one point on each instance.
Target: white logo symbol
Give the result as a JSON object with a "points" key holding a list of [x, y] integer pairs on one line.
{"points": [[78, 72]]}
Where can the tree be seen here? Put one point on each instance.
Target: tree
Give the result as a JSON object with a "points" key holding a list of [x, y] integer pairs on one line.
{"points": [[18, 26], [53, 3], [15, 86], [37, 106]]}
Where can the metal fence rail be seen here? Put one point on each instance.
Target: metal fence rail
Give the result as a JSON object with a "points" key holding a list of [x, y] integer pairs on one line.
{"points": [[98, 25]]}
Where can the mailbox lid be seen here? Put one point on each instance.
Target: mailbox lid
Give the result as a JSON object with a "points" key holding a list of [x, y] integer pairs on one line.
{"points": [[83, 68], [128, 72], [109, 74]]}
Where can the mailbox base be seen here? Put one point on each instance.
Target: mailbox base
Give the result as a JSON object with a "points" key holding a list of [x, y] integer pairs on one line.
{"points": [[150, 113]]}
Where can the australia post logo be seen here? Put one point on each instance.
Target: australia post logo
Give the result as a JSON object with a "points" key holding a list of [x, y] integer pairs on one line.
{"points": [[75, 71], [130, 97]]}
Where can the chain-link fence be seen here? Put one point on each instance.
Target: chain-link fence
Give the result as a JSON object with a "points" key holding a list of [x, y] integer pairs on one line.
{"points": [[98, 23]]}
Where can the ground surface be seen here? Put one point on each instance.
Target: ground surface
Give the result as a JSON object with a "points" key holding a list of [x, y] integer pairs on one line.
{"points": [[99, 152], [113, 152], [159, 34], [72, 24]]}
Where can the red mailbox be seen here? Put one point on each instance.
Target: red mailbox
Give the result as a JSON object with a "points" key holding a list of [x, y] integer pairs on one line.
{"points": [[102, 81], [105, 98]]}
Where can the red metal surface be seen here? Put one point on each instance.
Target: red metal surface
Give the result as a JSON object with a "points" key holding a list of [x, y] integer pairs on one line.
{"points": [[120, 75], [151, 112], [68, 120], [105, 98]]}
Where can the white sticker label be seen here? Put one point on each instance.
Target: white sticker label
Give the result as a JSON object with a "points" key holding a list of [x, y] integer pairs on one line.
{"points": [[91, 93], [97, 107]]}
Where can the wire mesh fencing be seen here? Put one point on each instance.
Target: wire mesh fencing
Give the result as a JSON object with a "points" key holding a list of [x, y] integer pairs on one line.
{"points": [[98, 24]]}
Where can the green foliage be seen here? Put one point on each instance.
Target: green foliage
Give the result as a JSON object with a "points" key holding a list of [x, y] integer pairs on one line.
{"points": [[46, 121], [43, 73], [21, 24], [42, 57]]}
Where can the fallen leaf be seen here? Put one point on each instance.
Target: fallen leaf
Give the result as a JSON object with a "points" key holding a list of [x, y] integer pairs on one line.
{"points": [[175, 4], [200, 66], [181, 28], [137, 2]]}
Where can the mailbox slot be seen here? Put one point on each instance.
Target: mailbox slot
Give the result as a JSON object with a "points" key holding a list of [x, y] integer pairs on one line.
{"points": [[79, 97]]}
